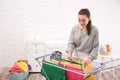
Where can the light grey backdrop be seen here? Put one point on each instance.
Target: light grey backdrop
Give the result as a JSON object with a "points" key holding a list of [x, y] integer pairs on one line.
{"points": [[51, 21]]}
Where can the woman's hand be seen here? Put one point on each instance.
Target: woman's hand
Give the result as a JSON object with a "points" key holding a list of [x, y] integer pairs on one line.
{"points": [[69, 56], [88, 61]]}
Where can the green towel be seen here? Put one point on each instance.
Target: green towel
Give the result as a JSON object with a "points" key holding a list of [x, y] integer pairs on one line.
{"points": [[53, 73]]}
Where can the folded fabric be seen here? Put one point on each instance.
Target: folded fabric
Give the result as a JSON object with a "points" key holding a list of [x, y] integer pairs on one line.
{"points": [[15, 68], [12, 70], [53, 71], [23, 65], [89, 68], [29, 67], [78, 66], [76, 75], [77, 69]]}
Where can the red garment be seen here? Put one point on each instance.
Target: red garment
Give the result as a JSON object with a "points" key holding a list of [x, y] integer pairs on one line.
{"points": [[74, 76], [15, 68]]}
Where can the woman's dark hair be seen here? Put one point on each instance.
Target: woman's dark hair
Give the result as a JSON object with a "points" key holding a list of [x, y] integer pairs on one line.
{"points": [[86, 12]]}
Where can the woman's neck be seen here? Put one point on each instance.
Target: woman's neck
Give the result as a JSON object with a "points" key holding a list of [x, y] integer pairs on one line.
{"points": [[84, 29]]}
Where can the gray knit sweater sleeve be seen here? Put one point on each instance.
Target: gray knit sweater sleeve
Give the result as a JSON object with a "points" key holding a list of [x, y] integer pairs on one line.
{"points": [[94, 52], [71, 43]]}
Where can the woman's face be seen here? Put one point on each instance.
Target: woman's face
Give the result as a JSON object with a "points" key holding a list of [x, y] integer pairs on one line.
{"points": [[83, 20]]}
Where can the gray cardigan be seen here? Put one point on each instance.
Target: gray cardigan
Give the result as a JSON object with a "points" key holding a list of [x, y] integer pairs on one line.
{"points": [[83, 44]]}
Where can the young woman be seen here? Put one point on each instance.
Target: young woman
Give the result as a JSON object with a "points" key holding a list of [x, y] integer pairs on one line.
{"points": [[84, 38]]}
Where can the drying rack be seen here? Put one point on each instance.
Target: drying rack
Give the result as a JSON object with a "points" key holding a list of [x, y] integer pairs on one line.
{"points": [[101, 66]]}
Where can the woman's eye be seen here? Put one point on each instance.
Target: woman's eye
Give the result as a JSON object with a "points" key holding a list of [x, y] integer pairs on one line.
{"points": [[82, 21]]}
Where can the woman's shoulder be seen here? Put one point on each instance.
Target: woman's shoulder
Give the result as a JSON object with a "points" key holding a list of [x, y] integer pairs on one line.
{"points": [[76, 27], [94, 28]]}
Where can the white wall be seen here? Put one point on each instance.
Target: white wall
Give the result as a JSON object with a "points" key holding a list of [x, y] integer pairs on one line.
{"points": [[50, 21]]}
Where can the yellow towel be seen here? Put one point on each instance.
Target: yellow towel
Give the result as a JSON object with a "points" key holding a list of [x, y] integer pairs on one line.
{"points": [[23, 65], [89, 68]]}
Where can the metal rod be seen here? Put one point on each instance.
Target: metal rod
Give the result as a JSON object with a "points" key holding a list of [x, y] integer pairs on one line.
{"points": [[43, 56], [111, 61], [43, 71]]}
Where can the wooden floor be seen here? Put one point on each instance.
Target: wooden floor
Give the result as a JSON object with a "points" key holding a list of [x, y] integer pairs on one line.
{"points": [[4, 75]]}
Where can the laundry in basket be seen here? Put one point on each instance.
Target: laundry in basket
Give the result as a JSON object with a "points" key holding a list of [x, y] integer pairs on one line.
{"points": [[19, 71]]}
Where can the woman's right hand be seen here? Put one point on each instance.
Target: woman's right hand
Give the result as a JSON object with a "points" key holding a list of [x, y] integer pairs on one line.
{"points": [[69, 56]]}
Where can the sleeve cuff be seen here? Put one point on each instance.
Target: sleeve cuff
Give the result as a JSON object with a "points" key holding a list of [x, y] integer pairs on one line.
{"points": [[91, 58]]}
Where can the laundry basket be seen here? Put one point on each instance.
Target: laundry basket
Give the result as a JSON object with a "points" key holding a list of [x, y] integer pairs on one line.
{"points": [[19, 76]]}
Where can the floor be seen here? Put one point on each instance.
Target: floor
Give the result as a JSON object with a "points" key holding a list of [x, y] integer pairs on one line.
{"points": [[4, 75]]}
